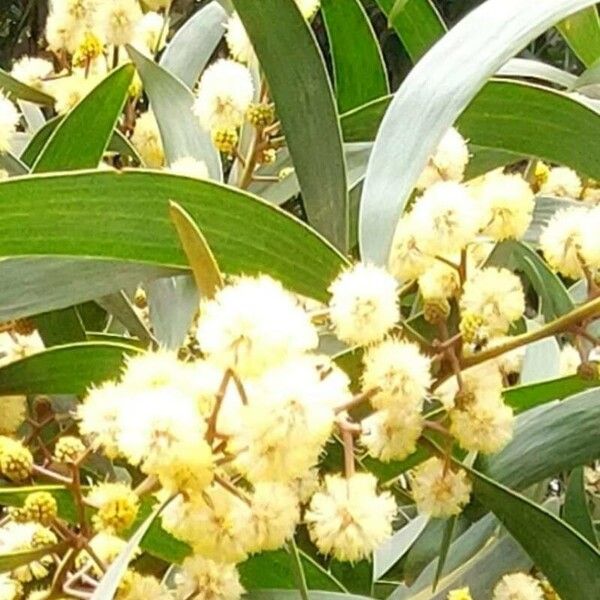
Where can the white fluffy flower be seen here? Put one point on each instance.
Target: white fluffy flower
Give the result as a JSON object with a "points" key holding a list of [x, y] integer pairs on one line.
{"points": [[518, 586], [147, 140], [570, 239], [448, 163], [224, 94], [150, 32], [437, 490], [32, 71], [439, 281], [9, 118], [238, 42], [10, 589], [407, 259], [348, 519], [190, 167], [570, 360], [446, 218], [479, 382], [308, 8], [207, 579], [399, 372], [118, 20], [495, 295], [364, 304], [142, 587], [508, 202], [484, 425], [68, 91], [562, 181], [392, 435], [254, 324]]}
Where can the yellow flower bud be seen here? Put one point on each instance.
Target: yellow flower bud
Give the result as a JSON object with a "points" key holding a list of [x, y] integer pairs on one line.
{"points": [[16, 461], [68, 449], [41, 507]]}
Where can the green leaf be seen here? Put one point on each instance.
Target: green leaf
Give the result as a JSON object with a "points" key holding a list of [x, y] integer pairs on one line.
{"points": [[120, 307], [193, 44], [554, 296], [574, 571], [359, 70], [61, 214], [576, 511], [295, 71], [205, 269], [431, 98], [505, 115], [62, 326], [17, 89], [11, 561], [417, 23], [12, 165], [80, 139], [110, 581], [548, 439], [15, 496], [582, 32], [69, 369], [444, 548], [171, 102], [45, 283], [524, 397]]}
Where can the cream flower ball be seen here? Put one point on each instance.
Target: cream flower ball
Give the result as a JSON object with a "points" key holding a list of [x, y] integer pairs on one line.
{"points": [[439, 491], [518, 586], [9, 119], [399, 373], [32, 71], [407, 259], [562, 181], [14, 411], [238, 42], [348, 519], [447, 218], [207, 579], [448, 163], [254, 324], [496, 296], [190, 167], [508, 202], [364, 304], [224, 94], [118, 20], [147, 140]]}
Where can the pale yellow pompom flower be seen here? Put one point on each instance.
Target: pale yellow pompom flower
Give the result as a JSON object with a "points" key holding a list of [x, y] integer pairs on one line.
{"points": [[439, 281], [107, 547], [147, 140], [481, 381], [495, 295], [224, 94], [18, 537], [217, 528], [13, 413], [207, 579], [518, 586], [275, 514], [10, 589], [32, 71], [9, 119], [308, 8], [150, 32], [69, 91], [364, 304], [570, 240], [460, 594], [117, 506], [448, 163], [348, 519], [484, 425], [118, 20], [64, 31], [392, 435], [254, 324], [563, 182], [238, 42], [142, 587], [399, 372], [190, 167], [570, 359], [508, 202], [447, 218], [438, 490], [407, 259]]}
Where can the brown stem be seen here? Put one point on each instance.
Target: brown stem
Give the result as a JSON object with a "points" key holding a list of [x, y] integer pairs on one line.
{"points": [[462, 269], [225, 483], [356, 400], [146, 486], [239, 386], [219, 396], [75, 488], [348, 440], [52, 475]]}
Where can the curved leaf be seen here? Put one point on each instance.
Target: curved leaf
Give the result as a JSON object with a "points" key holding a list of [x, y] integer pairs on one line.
{"points": [[417, 23], [535, 69], [61, 214], [69, 369], [79, 141], [12, 165], [171, 103], [582, 32], [21, 91], [576, 511], [192, 46], [574, 571], [313, 132], [357, 61], [547, 440], [430, 100], [11, 561]]}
